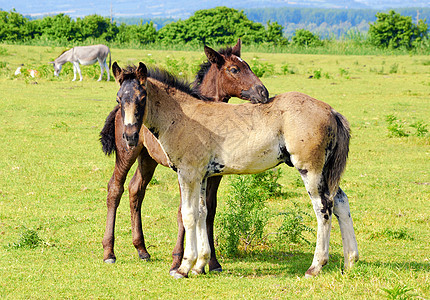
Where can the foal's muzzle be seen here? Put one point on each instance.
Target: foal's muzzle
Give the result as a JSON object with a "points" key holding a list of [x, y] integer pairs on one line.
{"points": [[256, 94], [131, 135]]}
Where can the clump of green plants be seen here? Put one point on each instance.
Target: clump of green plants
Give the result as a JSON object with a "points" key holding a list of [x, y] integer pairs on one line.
{"points": [[397, 128], [29, 239], [318, 74], [394, 68], [246, 215], [3, 51], [343, 72], [293, 228], [262, 69], [398, 292], [285, 69], [242, 225]]}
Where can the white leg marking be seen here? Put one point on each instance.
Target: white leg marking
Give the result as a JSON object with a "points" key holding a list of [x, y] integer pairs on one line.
{"points": [[202, 235], [342, 212], [190, 192], [321, 254]]}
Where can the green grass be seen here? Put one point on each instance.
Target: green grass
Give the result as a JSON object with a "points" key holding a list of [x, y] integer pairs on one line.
{"points": [[53, 178]]}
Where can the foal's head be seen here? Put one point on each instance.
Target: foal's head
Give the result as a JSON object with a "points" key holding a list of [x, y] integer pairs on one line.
{"points": [[226, 75], [131, 98]]}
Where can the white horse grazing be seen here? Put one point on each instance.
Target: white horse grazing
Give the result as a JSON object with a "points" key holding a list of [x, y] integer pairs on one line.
{"points": [[84, 55]]}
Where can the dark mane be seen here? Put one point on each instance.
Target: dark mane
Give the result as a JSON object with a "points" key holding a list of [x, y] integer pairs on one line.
{"points": [[164, 77], [204, 67]]}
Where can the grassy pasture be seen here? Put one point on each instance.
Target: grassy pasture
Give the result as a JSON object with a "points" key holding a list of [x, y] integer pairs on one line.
{"points": [[53, 178]]}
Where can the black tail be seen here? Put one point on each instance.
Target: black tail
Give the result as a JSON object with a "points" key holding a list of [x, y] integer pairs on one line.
{"points": [[107, 135], [336, 163]]}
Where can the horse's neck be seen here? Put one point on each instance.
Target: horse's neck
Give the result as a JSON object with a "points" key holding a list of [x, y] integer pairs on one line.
{"points": [[162, 108], [65, 57], [208, 88]]}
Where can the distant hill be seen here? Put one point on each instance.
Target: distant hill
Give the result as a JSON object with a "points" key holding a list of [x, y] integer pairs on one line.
{"points": [[323, 21], [324, 17], [183, 8], [327, 22]]}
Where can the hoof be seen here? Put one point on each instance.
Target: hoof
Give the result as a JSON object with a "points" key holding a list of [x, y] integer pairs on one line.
{"points": [[198, 272], [312, 272], [110, 260], [178, 276], [217, 270], [145, 257], [175, 274]]}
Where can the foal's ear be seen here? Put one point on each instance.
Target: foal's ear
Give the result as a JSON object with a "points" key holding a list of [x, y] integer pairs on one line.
{"points": [[117, 72], [142, 73], [214, 57], [236, 48]]}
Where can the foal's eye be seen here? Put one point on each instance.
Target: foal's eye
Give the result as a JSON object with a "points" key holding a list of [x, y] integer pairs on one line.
{"points": [[234, 70]]}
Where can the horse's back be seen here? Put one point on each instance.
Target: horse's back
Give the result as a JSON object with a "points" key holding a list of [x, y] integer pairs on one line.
{"points": [[91, 52]]}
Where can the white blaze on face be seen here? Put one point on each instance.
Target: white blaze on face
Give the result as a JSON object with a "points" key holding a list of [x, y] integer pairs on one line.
{"points": [[129, 115], [241, 60]]}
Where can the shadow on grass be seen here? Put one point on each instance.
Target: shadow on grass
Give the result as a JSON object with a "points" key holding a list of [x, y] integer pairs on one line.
{"points": [[274, 262]]}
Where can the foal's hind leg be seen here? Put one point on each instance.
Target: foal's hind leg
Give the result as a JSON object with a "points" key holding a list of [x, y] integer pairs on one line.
{"points": [[343, 215], [137, 188], [124, 161], [318, 191]]}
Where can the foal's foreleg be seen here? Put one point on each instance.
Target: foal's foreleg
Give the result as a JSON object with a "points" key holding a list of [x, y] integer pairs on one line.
{"points": [[124, 161], [202, 234], [137, 188], [211, 203], [343, 215], [194, 219]]}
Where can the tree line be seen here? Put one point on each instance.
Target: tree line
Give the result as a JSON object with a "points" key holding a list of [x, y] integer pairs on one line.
{"points": [[217, 26]]}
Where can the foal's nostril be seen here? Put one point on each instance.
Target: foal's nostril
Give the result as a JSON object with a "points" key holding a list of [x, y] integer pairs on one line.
{"points": [[263, 92]]}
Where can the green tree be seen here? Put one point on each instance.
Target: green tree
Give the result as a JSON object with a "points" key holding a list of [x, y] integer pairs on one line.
{"points": [[97, 27], [392, 30], [305, 38], [274, 34], [220, 25], [58, 28], [12, 26], [137, 34]]}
